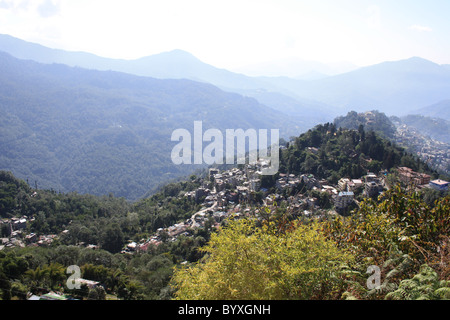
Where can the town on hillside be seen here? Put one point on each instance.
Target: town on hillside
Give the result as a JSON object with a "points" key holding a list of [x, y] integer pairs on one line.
{"points": [[233, 193], [238, 192], [433, 152]]}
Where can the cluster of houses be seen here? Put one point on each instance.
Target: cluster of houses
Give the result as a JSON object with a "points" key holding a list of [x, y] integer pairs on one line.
{"points": [[233, 191], [430, 150], [421, 180], [230, 192], [15, 235]]}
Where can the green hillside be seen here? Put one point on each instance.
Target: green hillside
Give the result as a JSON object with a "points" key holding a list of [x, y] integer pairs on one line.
{"points": [[97, 132], [331, 153]]}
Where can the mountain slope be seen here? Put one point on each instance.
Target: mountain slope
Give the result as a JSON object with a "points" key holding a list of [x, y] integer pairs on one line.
{"points": [[176, 64], [437, 110], [395, 87], [436, 128], [99, 132], [392, 87]]}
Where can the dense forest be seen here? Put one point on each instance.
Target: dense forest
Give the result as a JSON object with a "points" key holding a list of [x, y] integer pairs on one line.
{"points": [[331, 153], [107, 222], [100, 132]]}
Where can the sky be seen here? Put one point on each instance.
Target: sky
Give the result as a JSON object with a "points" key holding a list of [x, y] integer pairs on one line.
{"points": [[232, 34]]}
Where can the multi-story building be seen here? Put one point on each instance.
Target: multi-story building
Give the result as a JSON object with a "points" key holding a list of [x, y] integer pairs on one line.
{"points": [[408, 176], [344, 199]]}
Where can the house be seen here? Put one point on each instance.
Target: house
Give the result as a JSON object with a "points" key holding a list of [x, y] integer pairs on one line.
{"points": [[21, 224], [213, 172], [344, 199], [52, 296], [255, 184], [312, 202], [356, 183], [439, 185], [200, 193], [132, 246], [372, 189], [89, 283], [408, 176], [370, 177], [330, 190], [31, 238], [281, 184], [343, 184]]}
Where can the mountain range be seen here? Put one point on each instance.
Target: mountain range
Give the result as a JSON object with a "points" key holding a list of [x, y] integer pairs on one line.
{"points": [[394, 87], [436, 110], [75, 121], [73, 129], [178, 64]]}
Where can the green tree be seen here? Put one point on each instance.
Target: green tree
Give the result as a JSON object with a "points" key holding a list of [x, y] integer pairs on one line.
{"points": [[113, 240], [248, 262]]}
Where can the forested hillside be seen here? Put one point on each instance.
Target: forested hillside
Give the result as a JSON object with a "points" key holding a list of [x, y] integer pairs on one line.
{"points": [[371, 121], [96, 132], [331, 153], [106, 223], [436, 128]]}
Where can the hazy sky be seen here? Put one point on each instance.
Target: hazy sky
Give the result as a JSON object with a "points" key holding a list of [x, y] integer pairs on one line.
{"points": [[234, 33]]}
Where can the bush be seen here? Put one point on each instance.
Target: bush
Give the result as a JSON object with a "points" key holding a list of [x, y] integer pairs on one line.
{"points": [[248, 262]]}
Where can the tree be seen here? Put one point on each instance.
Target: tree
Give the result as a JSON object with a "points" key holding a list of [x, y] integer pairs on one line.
{"points": [[97, 293], [113, 239], [56, 274], [249, 262]]}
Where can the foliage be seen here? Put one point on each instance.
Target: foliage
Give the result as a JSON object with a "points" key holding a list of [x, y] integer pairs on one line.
{"points": [[399, 233], [371, 121], [104, 221], [270, 258], [329, 153], [248, 262], [423, 286]]}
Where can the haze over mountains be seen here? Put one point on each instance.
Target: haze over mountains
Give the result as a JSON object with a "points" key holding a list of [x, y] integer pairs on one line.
{"points": [[73, 129], [297, 68], [76, 121], [396, 87], [436, 110]]}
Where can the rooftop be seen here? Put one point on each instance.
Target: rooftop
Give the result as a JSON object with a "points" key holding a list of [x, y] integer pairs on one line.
{"points": [[343, 194], [440, 182]]}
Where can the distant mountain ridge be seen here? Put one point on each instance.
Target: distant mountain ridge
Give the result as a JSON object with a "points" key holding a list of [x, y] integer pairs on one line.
{"points": [[436, 128], [103, 131], [392, 87], [437, 110], [297, 69], [176, 64]]}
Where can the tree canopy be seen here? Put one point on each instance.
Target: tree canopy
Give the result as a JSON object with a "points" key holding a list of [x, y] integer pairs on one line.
{"points": [[244, 262]]}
